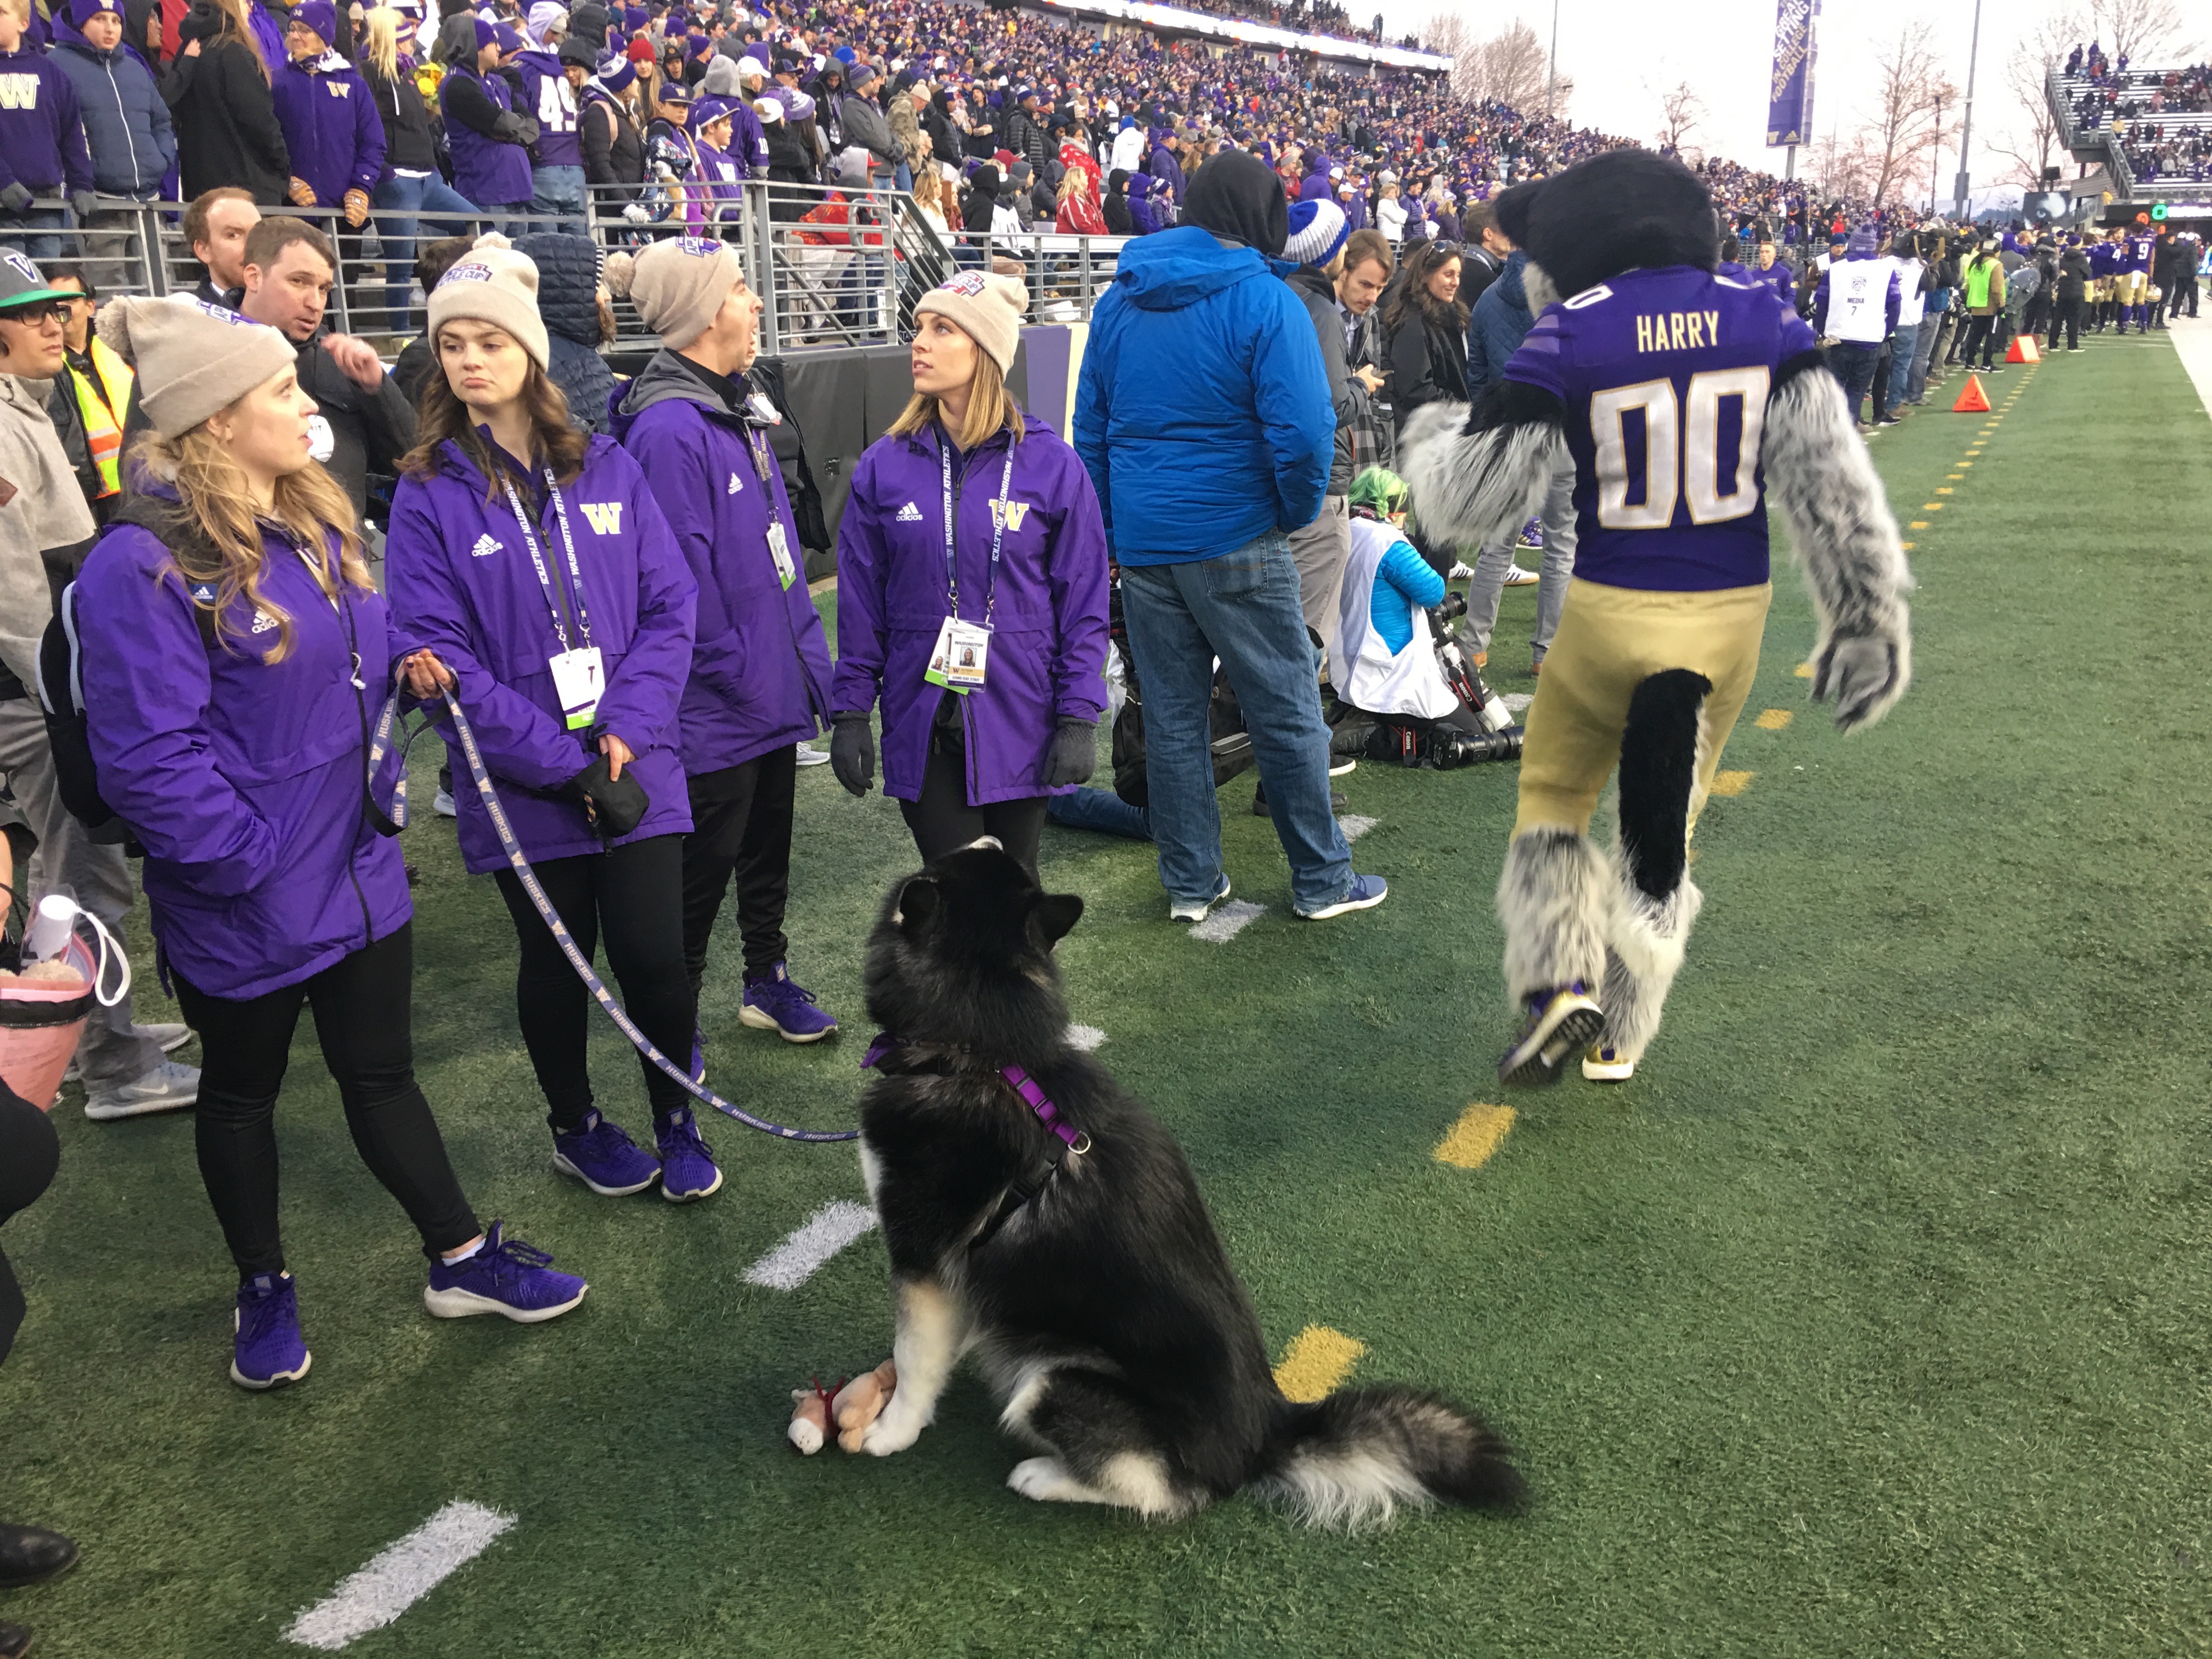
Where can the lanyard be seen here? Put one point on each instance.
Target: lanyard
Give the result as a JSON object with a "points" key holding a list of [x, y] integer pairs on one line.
{"points": [[757, 445], [998, 528], [537, 561]]}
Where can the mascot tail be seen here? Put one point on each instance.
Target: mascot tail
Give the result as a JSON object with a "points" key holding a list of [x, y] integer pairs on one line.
{"points": [[1351, 1459]]}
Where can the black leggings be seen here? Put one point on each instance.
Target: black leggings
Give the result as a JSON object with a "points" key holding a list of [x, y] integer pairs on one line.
{"points": [[2066, 320], [362, 1021], [942, 820], [634, 894], [30, 1151], [741, 826]]}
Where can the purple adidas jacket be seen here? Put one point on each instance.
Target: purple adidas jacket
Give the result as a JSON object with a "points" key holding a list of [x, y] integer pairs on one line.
{"points": [[760, 667], [1048, 657], [243, 778], [330, 126], [462, 583]]}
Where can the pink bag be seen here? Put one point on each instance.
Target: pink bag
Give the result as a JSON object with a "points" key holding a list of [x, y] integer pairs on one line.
{"points": [[41, 1019]]}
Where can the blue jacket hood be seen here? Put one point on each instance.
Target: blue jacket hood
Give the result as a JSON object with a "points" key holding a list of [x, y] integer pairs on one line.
{"points": [[1178, 268]]}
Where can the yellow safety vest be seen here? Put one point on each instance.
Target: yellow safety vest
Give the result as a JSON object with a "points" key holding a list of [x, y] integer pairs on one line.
{"points": [[103, 426]]}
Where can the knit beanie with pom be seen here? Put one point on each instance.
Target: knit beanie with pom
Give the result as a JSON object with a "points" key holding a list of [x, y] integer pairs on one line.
{"points": [[677, 286], [193, 359], [493, 283]]}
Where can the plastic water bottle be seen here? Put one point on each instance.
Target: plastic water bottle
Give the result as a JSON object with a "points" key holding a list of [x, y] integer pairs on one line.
{"points": [[51, 930]]}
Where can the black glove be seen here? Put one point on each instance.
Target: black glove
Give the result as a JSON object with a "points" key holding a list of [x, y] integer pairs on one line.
{"points": [[615, 805], [85, 202], [508, 129], [853, 752], [15, 198], [1074, 755]]}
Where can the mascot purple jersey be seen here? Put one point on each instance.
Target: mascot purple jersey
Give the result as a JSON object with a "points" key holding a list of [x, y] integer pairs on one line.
{"points": [[1665, 376]]}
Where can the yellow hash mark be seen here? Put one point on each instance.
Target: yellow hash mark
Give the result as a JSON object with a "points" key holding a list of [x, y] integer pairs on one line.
{"points": [[1775, 719], [1469, 1142], [1731, 783], [1803, 671], [1908, 546], [1934, 506], [1918, 524], [1945, 489], [1316, 1363], [1955, 477]]}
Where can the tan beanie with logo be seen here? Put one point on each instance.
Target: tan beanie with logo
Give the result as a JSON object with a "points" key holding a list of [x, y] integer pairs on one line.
{"points": [[677, 285], [493, 283], [987, 309], [193, 359]]}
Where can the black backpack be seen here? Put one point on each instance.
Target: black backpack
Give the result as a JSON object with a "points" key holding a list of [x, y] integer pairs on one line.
{"points": [[61, 692]]}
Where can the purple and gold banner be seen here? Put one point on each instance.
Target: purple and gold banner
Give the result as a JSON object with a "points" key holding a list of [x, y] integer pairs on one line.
{"points": [[1790, 91]]}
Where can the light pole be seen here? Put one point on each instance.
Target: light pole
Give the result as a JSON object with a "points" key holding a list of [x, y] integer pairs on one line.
{"points": [[1966, 123], [1552, 76]]}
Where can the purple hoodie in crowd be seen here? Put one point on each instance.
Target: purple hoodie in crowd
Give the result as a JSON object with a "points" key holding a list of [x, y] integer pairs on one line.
{"points": [[1048, 658], [41, 126], [546, 99], [461, 579], [330, 126], [243, 778], [760, 665]]}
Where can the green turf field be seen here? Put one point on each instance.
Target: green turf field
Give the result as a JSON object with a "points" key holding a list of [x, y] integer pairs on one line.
{"points": [[1869, 1319]]}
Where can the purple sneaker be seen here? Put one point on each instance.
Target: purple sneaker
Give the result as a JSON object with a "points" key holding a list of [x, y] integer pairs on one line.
{"points": [[687, 1167], [269, 1352], [605, 1159], [777, 1002], [507, 1277]]}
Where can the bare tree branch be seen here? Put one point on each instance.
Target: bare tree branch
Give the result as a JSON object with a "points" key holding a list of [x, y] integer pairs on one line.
{"points": [[1914, 111], [2031, 143], [2140, 30], [1680, 110]]}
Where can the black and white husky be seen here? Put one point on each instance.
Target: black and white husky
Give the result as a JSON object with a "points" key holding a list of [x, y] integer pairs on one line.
{"points": [[1091, 1288]]}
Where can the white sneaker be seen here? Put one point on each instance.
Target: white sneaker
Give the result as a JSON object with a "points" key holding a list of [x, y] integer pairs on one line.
{"points": [[1604, 1065], [1195, 909], [168, 1087], [1339, 764], [171, 1037], [1461, 571], [443, 805], [808, 755], [1517, 577]]}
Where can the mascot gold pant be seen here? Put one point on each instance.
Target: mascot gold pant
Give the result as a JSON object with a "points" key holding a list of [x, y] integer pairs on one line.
{"points": [[1652, 682]]}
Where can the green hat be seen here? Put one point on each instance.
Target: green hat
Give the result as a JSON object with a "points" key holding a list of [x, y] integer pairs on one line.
{"points": [[21, 283], [1379, 490]]}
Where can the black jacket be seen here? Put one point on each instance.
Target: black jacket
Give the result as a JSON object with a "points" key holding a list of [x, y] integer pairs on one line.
{"points": [[614, 149], [225, 116], [568, 298], [407, 140], [982, 200], [1428, 362], [2073, 274]]}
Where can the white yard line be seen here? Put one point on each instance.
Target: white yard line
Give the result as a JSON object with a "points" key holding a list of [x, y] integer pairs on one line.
{"points": [[399, 1576], [1514, 701], [2192, 342], [1354, 826], [820, 1237], [1085, 1038], [1228, 921]]}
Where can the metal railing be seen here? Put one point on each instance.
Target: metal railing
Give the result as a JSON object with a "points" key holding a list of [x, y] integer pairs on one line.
{"points": [[834, 267]]}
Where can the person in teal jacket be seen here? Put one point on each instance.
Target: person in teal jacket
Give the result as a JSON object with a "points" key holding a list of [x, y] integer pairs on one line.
{"points": [[1203, 416]]}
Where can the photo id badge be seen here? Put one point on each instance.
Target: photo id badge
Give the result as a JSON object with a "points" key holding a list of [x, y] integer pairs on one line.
{"points": [[958, 660], [780, 550], [579, 677]]}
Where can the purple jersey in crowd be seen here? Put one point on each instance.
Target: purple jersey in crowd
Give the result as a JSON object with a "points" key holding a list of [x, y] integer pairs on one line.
{"points": [[1665, 374]]}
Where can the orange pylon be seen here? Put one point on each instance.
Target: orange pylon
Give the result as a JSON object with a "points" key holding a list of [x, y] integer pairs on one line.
{"points": [[1973, 400], [2023, 350]]}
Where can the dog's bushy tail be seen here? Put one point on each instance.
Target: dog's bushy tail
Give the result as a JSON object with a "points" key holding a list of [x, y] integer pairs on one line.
{"points": [[1351, 1459]]}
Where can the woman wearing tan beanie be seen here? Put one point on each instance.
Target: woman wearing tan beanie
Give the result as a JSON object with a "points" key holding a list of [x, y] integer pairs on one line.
{"points": [[234, 654], [978, 517], [533, 559]]}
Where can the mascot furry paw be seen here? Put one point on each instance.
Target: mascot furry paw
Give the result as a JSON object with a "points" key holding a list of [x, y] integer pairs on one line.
{"points": [[1685, 398]]}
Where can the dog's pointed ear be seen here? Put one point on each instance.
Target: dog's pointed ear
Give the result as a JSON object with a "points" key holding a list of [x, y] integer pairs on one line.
{"points": [[917, 907], [1057, 915]]}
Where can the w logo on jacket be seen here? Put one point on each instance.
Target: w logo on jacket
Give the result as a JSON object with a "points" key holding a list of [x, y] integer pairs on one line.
{"points": [[604, 517], [19, 92], [1008, 515]]}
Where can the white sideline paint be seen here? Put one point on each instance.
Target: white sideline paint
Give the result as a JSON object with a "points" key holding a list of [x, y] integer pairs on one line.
{"points": [[2192, 342], [1085, 1038], [399, 1576], [820, 1237], [1514, 701], [1228, 921], [1354, 826]]}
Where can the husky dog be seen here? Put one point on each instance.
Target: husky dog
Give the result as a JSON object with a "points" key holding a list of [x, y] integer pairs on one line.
{"points": [[1090, 1287]]}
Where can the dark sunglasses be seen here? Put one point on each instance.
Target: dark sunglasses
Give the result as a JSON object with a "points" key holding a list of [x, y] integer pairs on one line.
{"points": [[36, 316]]}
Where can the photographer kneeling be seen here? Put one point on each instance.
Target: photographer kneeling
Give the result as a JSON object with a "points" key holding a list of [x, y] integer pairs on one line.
{"points": [[1388, 663]]}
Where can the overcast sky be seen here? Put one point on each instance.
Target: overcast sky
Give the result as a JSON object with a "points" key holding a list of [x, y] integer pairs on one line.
{"points": [[1624, 54]]}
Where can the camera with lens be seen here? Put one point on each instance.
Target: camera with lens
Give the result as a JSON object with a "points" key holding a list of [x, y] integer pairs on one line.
{"points": [[1450, 750], [1451, 607]]}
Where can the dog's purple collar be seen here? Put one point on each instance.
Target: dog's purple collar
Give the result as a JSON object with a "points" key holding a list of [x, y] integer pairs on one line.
{"points": [[1033, 1095]]}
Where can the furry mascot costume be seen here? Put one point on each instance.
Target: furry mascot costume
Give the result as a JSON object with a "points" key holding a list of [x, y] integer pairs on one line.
{"points": [[1685, 398]]}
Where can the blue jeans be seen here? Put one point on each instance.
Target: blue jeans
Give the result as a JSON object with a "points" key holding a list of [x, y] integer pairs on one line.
{"points": [[1101, 809], [1853, 366], [1243, 608], [559, 189], [17, 228], [400, 203], [1902, 345]]}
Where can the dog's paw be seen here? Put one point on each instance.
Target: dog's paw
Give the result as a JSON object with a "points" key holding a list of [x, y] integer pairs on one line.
{"points": [[894, 1432], [1044, 1479]]}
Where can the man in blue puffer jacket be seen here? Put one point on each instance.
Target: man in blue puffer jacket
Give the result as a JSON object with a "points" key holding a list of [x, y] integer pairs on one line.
{"points": [[568, 301], [1501, 316], [126, 124], [1204, 418]]}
